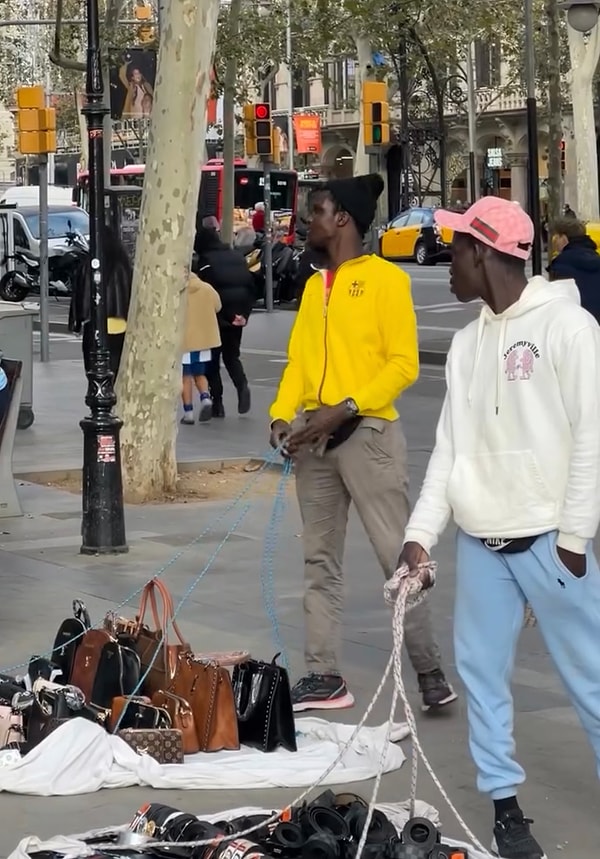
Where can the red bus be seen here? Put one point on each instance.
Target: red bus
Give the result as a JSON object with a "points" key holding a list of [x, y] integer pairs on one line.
{"points": [[249, 190]]}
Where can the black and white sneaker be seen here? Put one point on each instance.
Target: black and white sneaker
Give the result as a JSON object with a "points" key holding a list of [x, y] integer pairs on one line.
{"points": [[321, 692], [513, 838], [435, 690]]}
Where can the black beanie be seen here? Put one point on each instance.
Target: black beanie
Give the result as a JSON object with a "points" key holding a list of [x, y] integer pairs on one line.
{"points": [[357, 196]]}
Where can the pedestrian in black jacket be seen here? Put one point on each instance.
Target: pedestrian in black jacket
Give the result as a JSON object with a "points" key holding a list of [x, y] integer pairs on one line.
{"points": [[579, 260], [226, 270], [118, 274]]}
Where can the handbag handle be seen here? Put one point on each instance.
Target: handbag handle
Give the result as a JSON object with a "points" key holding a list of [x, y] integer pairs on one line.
{"points": [[163, 623], [81, 613]]}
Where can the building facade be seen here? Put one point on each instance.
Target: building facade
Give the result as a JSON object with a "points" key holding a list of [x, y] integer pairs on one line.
{"points": [[501, 131]]}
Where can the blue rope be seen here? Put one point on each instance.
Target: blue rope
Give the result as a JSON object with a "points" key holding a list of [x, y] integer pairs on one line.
{"points": [[267, 573], [186, 596], [271, 457]]}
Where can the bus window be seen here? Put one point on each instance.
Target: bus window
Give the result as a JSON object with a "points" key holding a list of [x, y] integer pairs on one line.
{"points": [[249, 189]]}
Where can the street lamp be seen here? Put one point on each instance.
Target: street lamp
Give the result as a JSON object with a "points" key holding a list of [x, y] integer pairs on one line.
{"points": [[103, 520], [582, 15], [533, 173]]}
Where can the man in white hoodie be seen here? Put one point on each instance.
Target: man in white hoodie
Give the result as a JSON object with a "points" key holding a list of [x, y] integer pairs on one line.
{"points": [[516, 464]]}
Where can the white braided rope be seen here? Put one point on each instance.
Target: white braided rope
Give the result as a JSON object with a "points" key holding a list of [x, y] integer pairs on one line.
{"points": [[403, 592]]}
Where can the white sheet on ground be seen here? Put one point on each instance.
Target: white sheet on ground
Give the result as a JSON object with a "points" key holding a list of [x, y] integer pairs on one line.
{"points": [[73, 846], [81, 757]]}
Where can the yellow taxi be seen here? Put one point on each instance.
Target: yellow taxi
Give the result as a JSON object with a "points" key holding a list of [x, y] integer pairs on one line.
{"points": [[414, 235]]}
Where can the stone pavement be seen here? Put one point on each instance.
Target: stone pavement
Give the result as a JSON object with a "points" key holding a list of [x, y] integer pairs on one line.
{"points": [[41, 571]]}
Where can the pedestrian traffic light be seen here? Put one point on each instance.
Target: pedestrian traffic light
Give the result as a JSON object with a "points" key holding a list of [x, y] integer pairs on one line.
{"points": [[145, 32], [375, 114], [36, 123], [258, 130]]}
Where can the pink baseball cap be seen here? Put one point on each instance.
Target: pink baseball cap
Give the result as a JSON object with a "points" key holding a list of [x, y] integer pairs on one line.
{"points": [[500, 224]]}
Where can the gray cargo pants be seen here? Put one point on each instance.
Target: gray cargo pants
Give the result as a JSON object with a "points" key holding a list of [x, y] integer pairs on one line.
{"points": [[369, 469]]}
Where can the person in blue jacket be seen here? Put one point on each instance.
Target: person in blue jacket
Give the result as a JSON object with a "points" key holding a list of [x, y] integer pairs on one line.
{"points": [[577, 259]]}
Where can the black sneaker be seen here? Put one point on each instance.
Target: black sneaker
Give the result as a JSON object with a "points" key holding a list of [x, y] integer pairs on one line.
{"points": [[435, 690], [244, 400], [513, 838], [218, 411], [321, 692]]}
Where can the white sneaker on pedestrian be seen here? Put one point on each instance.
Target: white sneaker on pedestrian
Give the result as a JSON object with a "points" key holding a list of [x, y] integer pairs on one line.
{"points": [[205, 413]]}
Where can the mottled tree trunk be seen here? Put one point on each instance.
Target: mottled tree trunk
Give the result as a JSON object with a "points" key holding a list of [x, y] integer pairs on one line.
{"points": [[584, 59], [150, 377], [362, 161]]}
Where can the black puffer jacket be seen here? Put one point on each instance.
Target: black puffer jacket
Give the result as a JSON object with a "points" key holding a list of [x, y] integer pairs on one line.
{"points": [[226, 270], [580, 261]]}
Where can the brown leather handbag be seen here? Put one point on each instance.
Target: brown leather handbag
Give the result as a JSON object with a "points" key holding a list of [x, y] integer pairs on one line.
{"points": [[87, 660], [182, 718], [149, 640], [207, 688]]}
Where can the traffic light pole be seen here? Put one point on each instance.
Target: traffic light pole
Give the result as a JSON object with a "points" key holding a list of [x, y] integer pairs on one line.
{"points": [[44, 275], [268, 247], [103, 520]]}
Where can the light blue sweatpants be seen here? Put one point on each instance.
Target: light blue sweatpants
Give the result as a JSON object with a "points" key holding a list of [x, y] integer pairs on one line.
{"points": [[491, 593]]}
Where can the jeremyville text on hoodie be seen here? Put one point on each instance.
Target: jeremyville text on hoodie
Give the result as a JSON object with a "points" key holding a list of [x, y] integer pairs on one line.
{"points": [[518, 442]]}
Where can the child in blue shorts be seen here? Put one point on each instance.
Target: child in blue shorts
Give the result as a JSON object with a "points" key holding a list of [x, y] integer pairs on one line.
{"points": [[201, 338]]}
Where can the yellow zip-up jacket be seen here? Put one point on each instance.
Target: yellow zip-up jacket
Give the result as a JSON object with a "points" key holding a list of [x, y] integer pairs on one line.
{"points": [[359, 343]]}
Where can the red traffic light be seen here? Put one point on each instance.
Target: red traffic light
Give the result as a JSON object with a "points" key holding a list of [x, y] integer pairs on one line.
{"points": [[262, 111]]}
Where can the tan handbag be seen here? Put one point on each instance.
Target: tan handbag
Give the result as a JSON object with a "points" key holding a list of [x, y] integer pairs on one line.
{"points": [[207, 688], [182, 718], [148, 640]]}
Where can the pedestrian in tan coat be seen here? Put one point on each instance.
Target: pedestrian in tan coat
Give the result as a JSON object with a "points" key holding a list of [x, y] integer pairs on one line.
{"points": [[200, 337]]}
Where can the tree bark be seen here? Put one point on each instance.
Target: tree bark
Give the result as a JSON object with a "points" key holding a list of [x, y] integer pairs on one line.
{"points": [[150, 375], [555, 131], [229, 125], [584, 59], [365, 59]]}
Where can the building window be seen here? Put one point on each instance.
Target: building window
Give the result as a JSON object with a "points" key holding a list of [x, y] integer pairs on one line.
{"points": [[487, 65], [339, 83], [301, 87]]}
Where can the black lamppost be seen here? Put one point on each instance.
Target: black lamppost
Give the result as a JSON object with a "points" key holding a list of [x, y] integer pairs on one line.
{"points": [[103, 521], [533, 172]]}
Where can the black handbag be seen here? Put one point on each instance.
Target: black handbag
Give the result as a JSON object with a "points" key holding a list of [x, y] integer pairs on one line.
{"points": [[52, 706], [69, 637], [117, 673], [263, 702]]}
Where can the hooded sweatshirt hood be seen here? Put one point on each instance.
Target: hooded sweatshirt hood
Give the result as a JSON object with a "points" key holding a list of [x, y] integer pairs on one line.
{"points": [[517, 451], [538, 293]]}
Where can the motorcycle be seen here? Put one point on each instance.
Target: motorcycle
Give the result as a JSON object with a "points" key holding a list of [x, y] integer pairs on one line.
{"points": [[63, 263], [284, 261]]}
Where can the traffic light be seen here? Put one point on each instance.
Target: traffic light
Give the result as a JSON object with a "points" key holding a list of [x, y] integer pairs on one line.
{"points": [[563, 155], [145, 32], [375, 114], [258, 130], [36, 123]]}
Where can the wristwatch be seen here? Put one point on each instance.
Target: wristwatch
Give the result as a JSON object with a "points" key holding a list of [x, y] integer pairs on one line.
{"points": [[351, 407]]}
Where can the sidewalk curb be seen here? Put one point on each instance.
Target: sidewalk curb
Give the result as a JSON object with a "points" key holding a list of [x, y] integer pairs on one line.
{"points": [[52, 475], [426, 356]]}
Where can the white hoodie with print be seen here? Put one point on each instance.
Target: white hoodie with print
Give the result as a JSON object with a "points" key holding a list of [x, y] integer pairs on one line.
{"points": [[517, 449]]}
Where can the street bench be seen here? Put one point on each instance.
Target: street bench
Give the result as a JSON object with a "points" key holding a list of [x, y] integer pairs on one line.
{"points": [[9, 500]]}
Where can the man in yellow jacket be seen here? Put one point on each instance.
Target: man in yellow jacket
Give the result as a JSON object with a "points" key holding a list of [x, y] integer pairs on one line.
{"points": [[352, 352]]}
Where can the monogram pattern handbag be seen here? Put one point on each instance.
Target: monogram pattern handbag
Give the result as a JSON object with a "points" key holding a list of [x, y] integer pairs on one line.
{"points": [[165, 745]]}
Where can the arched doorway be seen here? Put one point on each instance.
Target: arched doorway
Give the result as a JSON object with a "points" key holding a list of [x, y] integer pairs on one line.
{"points": [[337, 162]]}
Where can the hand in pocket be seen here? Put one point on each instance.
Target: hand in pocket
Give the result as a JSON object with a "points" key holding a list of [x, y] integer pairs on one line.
{"points": [[575, 564]]}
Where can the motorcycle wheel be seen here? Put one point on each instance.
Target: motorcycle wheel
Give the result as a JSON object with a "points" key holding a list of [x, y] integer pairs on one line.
{"points": [[10, 290]]}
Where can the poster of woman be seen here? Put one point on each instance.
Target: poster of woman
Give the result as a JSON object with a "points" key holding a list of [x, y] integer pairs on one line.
{"points": [[132, 85]]}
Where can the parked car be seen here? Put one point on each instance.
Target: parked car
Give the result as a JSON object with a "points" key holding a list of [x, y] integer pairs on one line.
{"points": [[413, 235]]}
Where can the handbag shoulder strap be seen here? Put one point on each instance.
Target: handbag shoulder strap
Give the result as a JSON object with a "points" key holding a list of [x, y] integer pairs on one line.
{"points": [[170, 610]]}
